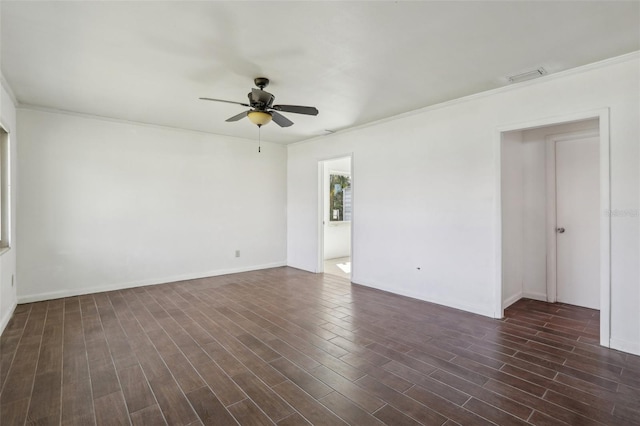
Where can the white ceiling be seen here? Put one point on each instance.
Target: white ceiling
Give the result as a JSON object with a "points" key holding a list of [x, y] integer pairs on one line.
{"points": [[356, 62]]}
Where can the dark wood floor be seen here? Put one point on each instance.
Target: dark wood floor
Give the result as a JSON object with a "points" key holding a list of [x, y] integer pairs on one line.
{"points": [[288, 347]]}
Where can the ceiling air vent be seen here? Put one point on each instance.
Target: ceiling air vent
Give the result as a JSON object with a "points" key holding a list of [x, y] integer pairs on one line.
{"points": [[529, 75]]}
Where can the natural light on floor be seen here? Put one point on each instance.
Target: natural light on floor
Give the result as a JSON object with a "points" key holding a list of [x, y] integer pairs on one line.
{"points": [[345, 267], [339, 266]]}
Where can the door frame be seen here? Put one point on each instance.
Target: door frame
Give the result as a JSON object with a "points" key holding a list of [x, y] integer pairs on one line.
{"points": [[552, 240], [602, 115], [321, 206]]}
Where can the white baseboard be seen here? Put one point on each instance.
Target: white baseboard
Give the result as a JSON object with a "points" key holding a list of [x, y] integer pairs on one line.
{"points": [[511, 300], [523, 295], [486, 311], [6, 318], [625, 346], [535, 296], [120, 286]]}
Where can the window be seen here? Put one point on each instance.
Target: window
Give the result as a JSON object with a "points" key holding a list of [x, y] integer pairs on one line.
{"points": [[5, 189], [339, 197]]}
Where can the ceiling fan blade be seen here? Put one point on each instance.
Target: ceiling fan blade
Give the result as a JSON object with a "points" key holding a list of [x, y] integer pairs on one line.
{"points": [[297, 109], [222, 100], [238, 117], [281, 120]]}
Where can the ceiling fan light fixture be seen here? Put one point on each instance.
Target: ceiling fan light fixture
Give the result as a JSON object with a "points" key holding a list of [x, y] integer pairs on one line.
{"points": [[259, 118]]}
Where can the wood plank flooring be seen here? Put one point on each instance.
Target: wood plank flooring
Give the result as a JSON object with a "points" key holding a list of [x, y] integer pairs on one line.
{"points": [[286, 347]]}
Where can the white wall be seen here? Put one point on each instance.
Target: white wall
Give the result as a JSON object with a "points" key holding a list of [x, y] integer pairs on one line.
{"points": [[106, 204], [8, 298], [337, 240], [444, 218], [337, 235], [512, 159]]}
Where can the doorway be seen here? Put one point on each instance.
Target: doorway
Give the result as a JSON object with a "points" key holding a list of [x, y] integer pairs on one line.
{"points": [[554, 232], [336, 213]]}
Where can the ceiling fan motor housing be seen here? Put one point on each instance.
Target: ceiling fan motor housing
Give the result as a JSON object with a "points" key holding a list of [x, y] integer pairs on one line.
{"points": [[260, 99]]}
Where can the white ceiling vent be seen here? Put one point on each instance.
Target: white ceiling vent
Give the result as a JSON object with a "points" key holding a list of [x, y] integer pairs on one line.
{"points": [[529, 75]]}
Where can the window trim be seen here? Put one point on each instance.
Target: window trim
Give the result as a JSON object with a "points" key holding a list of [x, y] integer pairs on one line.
{"points": [[5, 189]]}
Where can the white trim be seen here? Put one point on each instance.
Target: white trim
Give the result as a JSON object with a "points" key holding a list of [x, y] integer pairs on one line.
{"points": [[498, 307], [511, 300], [625, 346], [7, 317], [551, 220], [561, 74], [154, 281], [572, 71], [320, 220], [47, 110], [6, 182], [555, 120], [353, 209], [535, 296], [602, 115], [605, 230], [450, 303]]}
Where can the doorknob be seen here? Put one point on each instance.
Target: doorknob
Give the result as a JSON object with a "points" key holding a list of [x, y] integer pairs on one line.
{"points": [[560, 230]]}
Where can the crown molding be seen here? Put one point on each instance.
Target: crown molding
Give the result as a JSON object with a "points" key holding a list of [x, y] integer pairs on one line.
{"points": [[549, 77], [30, 107], [515, 86]]}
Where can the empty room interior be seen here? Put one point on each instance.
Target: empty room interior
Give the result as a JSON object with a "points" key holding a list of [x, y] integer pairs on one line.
{"points": [[320, 213]]}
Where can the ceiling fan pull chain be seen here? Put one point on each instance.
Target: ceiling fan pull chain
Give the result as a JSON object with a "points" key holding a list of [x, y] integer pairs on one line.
{"points": [[259, 127]]}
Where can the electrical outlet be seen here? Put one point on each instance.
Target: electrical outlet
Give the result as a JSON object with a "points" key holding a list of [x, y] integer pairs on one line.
{"points": [[237, 253]]}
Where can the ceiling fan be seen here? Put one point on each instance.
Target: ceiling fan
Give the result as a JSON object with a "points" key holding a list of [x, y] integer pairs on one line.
{"points": [[262, 109]]}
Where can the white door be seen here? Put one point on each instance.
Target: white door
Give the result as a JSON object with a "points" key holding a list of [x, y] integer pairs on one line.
{"points": [[578, 222]]}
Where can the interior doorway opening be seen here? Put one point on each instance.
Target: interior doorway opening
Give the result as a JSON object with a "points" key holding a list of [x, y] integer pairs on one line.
{"points": [[554, 231], [336, 212]]}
